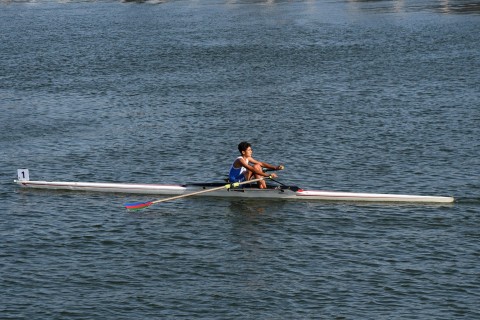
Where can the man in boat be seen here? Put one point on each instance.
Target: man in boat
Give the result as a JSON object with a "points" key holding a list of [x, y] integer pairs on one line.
{"points": [[245, 167]]}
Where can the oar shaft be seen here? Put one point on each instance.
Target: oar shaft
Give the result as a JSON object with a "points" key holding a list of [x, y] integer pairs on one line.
{"points": [[227, 186]]}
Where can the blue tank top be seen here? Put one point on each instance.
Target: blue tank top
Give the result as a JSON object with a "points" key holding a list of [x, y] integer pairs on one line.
{"points": [[236, 174]]}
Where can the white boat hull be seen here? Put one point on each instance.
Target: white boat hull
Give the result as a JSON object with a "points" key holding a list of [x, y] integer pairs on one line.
{"points": [[248, 192]]}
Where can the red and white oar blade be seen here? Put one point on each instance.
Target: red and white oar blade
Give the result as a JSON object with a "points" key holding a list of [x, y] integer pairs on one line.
{"points": [[137, 205]]}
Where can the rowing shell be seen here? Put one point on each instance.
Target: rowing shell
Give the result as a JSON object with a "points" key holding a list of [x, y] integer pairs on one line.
{"points": [[272, 192]]}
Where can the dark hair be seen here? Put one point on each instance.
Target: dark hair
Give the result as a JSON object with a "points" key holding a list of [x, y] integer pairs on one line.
{"points": [[243, 146]]}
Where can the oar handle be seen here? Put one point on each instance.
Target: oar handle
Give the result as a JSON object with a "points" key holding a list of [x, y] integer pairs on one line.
{"points": [[280, 167]]}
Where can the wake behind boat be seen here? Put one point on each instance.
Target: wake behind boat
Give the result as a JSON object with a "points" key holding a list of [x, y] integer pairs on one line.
{"points": [[279, 191]]}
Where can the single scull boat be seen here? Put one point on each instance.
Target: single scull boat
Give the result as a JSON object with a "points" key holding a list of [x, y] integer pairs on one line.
{"points": [[244, 191]]}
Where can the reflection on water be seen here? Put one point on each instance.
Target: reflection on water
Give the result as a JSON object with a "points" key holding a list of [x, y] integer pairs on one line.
{"points": [[459, 6], [380, 6], [398, 6], [146, 1], [248, 207]]}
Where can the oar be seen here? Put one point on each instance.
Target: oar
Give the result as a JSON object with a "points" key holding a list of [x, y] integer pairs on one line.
{"points": [[142, 205], [293, 188]]}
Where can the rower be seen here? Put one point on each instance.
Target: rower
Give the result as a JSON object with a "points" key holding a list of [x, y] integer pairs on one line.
{"points": [[245, 167]]}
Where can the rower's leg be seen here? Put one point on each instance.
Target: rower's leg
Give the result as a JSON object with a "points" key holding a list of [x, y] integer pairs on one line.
{"points": [[248, 175], [261, 184]]}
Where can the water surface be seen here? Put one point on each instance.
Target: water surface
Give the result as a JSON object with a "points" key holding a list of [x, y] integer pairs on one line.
{"points": [[367, 96]]}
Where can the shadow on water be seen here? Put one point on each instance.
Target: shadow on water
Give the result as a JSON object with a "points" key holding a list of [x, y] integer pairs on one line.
{"points": [[468, 200]]}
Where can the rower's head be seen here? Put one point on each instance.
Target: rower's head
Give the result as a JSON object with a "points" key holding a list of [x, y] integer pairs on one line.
{"points": [[243, 146]]}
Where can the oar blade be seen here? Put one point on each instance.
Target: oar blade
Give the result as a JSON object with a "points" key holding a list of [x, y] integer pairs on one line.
{"points": [[137, 205]]}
